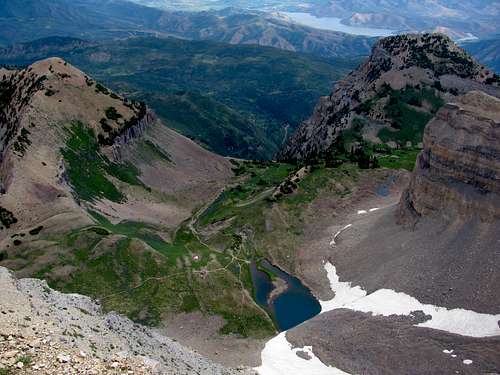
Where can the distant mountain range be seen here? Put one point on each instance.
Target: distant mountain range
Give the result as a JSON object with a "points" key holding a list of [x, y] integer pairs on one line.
{"points": [[478, 17], [26, 20], [487, 51]]}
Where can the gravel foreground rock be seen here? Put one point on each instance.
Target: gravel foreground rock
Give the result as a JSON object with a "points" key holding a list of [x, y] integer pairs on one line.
{"points": [[43, 331]]}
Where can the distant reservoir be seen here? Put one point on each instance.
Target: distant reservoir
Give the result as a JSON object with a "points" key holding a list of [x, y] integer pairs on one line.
{"points": [[335, 24]]}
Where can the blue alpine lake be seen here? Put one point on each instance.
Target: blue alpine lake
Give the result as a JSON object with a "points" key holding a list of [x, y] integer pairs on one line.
{"points": [[290, 307]]}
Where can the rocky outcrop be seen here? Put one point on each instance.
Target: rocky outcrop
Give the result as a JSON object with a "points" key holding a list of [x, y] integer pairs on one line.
{"points": [[134, 132], [419, 61], [53, 333], [16, 91], [458, 172]]}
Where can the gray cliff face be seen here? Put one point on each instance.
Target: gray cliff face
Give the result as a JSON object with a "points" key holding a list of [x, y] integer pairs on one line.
{"points": [[134, 132], [458, 172], [420, 60]]}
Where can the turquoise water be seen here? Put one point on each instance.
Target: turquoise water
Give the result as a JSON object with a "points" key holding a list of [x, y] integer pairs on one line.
{"points": [[334, 24], [291, 307]]}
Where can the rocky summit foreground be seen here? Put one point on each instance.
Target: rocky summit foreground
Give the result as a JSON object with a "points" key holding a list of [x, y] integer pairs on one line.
{"points": [[46, 332]]}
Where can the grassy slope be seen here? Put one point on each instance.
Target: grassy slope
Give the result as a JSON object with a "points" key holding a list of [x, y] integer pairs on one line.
{"points": [[87, 168], [408, 122], [406, 112], [131, 268], [271, 226]]}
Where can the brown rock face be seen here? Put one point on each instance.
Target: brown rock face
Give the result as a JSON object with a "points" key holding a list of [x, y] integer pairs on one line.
{"points": [[458, 172]]}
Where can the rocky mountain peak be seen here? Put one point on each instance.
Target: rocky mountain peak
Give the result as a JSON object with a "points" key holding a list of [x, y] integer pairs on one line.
{"points": [[56, 87], [458, 172], [406, 76], [436, 52]]}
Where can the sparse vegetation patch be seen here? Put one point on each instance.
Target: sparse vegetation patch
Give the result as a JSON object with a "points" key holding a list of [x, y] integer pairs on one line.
{"points": [[36, 231], [7, 218], [408, 111], [112, 114], [101, 89], [50, 92], [22, 142]]}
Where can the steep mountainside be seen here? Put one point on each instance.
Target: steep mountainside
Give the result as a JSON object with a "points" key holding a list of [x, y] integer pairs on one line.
{"points": [[414, 280], [27, 20], [390, 98], [236, 100], [51, 98]]}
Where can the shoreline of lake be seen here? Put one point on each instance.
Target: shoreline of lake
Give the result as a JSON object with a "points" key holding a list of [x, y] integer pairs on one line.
{"points": [[335, 24]]}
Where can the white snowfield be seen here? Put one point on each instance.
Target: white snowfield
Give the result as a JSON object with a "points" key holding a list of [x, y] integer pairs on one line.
{"points": [[387, 302], [278, 358]]}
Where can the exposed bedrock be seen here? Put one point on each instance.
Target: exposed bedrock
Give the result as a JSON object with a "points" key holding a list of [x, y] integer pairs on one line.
{"points": [[458, 172]]}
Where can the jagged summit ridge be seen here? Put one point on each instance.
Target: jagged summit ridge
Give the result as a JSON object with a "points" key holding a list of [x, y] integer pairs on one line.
{"points": [[429, 64]]}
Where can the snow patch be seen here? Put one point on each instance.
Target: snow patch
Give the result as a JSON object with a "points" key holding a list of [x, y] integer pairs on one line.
{"points": [[362, 212], [467, 362], [279, 358], [387, 302], [448, 351], [333, 243]]}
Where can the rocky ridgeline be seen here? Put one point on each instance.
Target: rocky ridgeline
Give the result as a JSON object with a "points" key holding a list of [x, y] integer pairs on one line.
{"points": [[458, 172], [16, 91], [46, 332], [416, 60]]}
